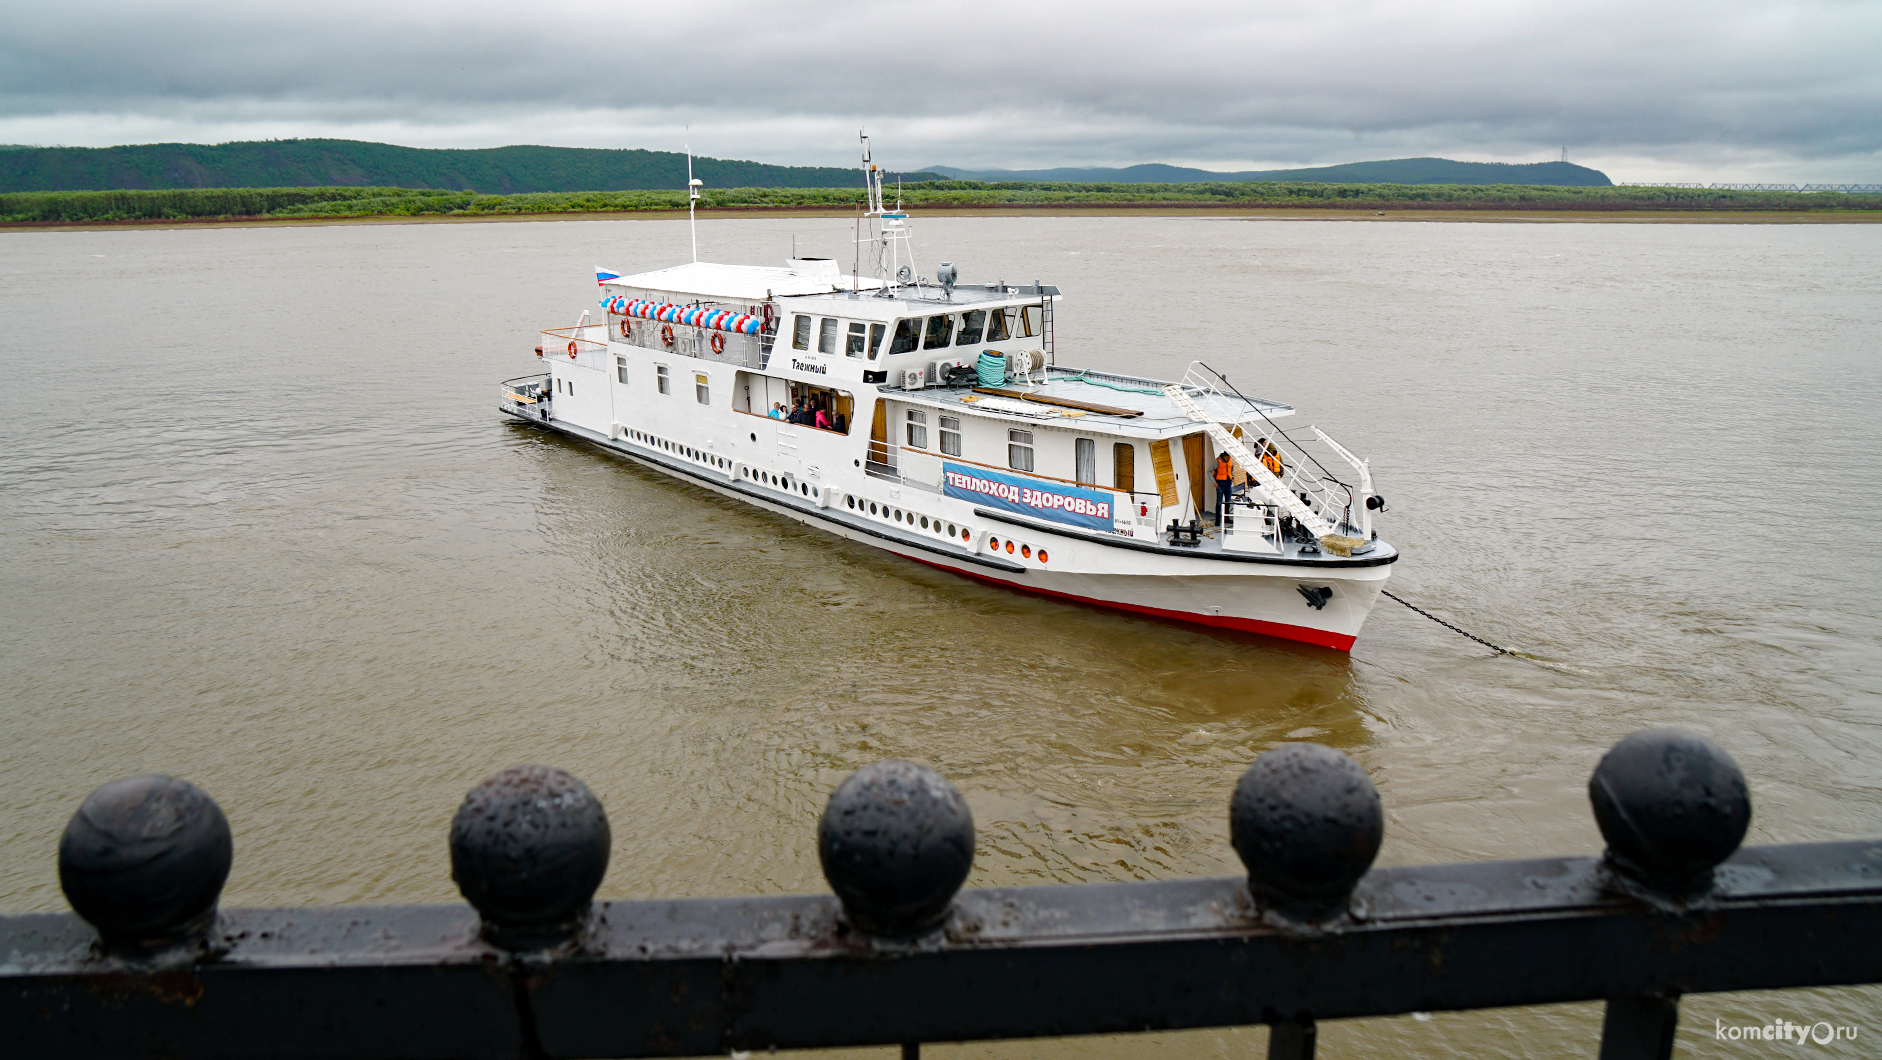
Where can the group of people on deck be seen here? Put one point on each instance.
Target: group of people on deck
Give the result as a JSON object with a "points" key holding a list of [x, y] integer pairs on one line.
{"points": [[1270, 455], [810, 413]]}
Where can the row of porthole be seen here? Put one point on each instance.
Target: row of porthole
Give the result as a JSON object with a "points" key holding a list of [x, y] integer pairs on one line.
{"points": [[783, 482], [994, 544], [897, 515], [679, 450]]}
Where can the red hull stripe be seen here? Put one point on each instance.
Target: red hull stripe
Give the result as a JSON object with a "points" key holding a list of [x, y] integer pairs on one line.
{"points": [[1303, 634]]}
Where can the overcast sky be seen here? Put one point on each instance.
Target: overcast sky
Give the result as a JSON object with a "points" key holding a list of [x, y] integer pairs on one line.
{"points": [[1785, 90]]}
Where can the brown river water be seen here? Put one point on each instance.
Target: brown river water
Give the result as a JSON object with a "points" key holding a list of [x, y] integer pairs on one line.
{"points": [[265, 529]]}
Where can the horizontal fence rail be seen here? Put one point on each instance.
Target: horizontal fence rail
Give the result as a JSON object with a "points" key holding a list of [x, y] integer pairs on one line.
{"points": [[900, 955]]}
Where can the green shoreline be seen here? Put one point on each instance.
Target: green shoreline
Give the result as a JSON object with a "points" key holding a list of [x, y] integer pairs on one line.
{"points": [[1427, 201]]}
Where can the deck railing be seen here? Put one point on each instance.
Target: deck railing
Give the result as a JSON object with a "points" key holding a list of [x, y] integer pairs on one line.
{"points": [[899, 955]]}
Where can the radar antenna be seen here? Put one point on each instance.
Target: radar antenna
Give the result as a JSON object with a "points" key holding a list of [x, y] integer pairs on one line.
{"points": [[693, 184]]}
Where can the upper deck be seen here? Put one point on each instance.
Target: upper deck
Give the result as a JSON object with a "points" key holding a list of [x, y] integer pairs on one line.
{"points": [[1107, 402]]}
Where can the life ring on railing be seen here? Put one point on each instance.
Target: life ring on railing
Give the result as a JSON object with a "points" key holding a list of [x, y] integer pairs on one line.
{"points": [[770, 313], [718, 343], [625, 332], [666, 335], [572, 349]]}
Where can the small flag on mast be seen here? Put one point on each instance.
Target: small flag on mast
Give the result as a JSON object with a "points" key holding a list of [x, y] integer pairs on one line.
{"points": [[604, 275]]}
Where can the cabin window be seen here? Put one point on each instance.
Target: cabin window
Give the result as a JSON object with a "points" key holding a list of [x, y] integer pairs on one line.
{"points": [[1085, 460], [1029, 321], [940, 329], [907, 336], [973, 322], [917, 429], [951, 435], [826, 336], [997, 326], [800, 334], [853, 345], [620, 369], [571, 388], [702, 388], [1124, 466], [875, 339], [660, 373], [1019, 450]]}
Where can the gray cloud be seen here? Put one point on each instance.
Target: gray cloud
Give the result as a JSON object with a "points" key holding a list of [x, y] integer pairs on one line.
{"points": [[1776, 88]]}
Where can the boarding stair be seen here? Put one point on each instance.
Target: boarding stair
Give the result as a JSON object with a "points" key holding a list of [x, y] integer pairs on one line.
{"points": [[1246, 459]]}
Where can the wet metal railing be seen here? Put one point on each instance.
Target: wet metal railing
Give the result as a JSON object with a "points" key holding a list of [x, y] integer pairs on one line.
{"points": [[899, 955]]}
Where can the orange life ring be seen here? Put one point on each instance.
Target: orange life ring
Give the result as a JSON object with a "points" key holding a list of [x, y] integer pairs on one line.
{"points": [[718, 343], [624, 330], [666, 335], [572, 348]]}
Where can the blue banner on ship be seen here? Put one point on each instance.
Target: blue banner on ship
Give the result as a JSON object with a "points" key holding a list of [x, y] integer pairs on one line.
{"points": [[1064, 504]]}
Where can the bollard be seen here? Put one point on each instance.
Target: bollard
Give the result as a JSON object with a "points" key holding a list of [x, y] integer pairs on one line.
{"points": [[143, 861], [529, 846], [1672, 805], [896, 841], [1307, 823]]}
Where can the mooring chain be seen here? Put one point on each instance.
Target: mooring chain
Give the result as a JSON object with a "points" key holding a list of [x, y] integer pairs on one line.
{"points": [[1447, 625]]}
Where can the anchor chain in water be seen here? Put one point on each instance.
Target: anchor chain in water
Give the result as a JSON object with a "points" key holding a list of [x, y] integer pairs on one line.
{"points": [[1447, 625]]}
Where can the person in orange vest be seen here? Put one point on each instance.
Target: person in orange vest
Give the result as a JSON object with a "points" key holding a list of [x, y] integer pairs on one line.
{"points": [[1224, 485]]}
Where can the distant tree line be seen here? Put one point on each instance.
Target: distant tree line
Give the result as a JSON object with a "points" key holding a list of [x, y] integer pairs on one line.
{"points": [[344, 202]]}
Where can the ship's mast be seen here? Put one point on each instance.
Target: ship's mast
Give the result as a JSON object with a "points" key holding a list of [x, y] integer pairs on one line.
{"points": [[693, 184], [891, 255]]}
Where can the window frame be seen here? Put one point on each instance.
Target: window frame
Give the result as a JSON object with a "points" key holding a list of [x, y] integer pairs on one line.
{"points": [[999, 319], [907, 329], [827, 334], [968, 334], [800, 332], [855, 339], [1016, 446], [663, 378], [876, 331], [702, 387], [929, 333], [620, 369], [915, 425], [1085, 461], [950, 434]]}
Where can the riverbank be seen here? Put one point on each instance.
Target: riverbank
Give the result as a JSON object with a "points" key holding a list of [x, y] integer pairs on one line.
{"points": [[1302, 201], [1715, 217]]}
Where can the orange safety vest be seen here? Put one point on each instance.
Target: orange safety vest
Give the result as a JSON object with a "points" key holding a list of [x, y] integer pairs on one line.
{"points": [[1222, 470], [1273, 462]]}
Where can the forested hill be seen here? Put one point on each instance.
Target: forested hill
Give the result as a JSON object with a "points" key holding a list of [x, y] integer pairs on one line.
{"points": [[1393, 171], [355, 163]]}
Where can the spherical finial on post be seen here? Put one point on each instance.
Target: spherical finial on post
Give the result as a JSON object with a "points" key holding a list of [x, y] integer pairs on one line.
{"points": [[896, 842], [528, 848], [1672, 805], [1307, 823], [144, 860]]}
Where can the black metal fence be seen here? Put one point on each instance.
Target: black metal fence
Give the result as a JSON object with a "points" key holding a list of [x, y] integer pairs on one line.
{"points": [[900, 955]]}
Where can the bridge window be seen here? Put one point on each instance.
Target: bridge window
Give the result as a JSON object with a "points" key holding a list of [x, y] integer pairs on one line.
{"points": [[917, 429], [951, 435], [1019, 450], [875, 339], [940, 329], [1029, 321], [997, 330], [853, 345], [826, 336], [973, 322], [907, 336], [800, 333]]}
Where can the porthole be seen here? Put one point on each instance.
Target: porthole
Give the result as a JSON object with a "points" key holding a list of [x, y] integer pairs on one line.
{"points": [[1042, 555], [754, 437], [924, 522], [898, 515], [950, 529], [815, 494], [993, 543], [1025, 551], [852, 501], [966, 534], [805, 490], [872, 507], [1009, 548]]}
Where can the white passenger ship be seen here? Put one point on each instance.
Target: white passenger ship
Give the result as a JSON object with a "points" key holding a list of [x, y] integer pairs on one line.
{"points": [[951, 436]]}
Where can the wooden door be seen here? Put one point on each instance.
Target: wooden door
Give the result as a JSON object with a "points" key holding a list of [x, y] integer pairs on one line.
{"points": [[1192, 463], [1124, 466]]}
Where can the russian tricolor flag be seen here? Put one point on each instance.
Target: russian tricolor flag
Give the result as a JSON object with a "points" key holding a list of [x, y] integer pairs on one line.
{"points": [[604, 275]]}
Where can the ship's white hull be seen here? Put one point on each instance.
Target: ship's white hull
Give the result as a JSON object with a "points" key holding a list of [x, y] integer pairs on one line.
{"points": [[1250, 594]]}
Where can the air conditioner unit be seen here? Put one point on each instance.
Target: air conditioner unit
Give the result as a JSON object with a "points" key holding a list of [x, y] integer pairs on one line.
{"points": [[912, 379], [938, 371]]}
